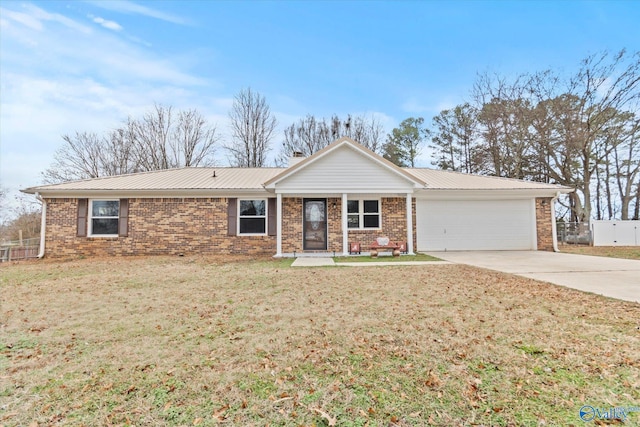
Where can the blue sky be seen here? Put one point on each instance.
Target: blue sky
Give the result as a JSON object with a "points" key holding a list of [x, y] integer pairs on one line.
{"points": [[69, 66]]}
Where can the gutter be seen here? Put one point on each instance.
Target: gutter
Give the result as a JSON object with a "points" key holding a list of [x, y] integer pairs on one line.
{"points": [[43, 225], [554, 228]]}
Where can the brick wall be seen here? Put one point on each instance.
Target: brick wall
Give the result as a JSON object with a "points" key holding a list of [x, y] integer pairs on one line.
{"points": [[543, 224], [394, 224], [199, 225], [156, 226]]}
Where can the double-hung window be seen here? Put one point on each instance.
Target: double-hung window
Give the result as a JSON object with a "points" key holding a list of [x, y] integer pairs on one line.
{"points": [[103, 217], [252, 216], [363, 214]]}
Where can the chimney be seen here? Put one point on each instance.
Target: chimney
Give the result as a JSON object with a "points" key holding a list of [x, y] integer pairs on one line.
{"points": [[296, 157]]}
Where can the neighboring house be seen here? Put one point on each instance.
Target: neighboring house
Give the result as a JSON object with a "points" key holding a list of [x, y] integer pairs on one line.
{"points": [[341, 194]]}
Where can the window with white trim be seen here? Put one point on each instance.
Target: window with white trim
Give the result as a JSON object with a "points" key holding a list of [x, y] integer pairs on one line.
{"points": [[103, 218], [363, 214], [252, 216]]}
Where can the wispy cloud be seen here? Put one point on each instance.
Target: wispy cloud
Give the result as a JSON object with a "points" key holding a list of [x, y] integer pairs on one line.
{"points": [[110, 25], [130, 7], [61, 75]]}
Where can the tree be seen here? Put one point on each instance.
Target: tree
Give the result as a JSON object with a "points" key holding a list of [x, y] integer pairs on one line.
{"points": [[404, 143], [22, 219], [158, 140], [455, 139], [311, 134], [604, 85], [580, 131], [252, 126]]}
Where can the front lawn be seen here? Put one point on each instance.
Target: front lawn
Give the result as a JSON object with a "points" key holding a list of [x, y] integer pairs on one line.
{"points": [[201, 341], [387, 258], [628, 252]]}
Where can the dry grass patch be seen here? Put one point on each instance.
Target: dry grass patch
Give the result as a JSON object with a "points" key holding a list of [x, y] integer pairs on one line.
{"points": [[189, 341], [628, 252], [387, 258]]}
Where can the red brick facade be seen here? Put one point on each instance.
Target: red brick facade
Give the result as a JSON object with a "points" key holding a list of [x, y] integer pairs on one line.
{"points": [[394, 224], [156, 226], [173, 226], [543, 224]]}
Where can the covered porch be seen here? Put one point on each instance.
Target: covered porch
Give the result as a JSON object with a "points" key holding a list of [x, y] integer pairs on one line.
{"points": [[326, 224]]}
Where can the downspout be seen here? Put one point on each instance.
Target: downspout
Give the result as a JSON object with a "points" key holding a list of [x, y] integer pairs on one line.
{"points": [[554, 228], [43, 225]]}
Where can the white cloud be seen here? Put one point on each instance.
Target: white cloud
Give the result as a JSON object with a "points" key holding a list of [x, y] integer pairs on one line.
{"points": [[130, 7], [110, 25], [60, 76], [21, 18], [41, 15]]}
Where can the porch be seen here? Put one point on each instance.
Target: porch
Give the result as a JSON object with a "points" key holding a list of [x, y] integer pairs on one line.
{"points": [[323, 225]]}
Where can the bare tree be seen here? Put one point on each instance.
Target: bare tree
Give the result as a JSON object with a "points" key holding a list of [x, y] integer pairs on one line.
{"points": [[626, 160], [158, 140], [252, 126], [79, 158], [604, 85], [579, 131], [311, 134]]}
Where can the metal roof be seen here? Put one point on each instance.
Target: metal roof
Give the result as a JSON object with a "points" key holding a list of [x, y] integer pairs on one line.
{"points": [[189, 178], [192, 180], [449, 180]]}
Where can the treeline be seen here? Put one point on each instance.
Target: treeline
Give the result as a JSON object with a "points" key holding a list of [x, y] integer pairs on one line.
{"points": [[579, 130]]}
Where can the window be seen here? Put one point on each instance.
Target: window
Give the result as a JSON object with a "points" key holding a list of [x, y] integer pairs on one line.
{"points": [[252, 216], [363, 214], [103, 217]]}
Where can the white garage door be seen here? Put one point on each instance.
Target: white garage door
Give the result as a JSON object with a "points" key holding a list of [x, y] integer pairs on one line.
{"points": [[458, 225]]}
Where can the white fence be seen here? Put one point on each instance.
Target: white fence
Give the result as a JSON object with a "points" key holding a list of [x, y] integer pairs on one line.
{"points": [[615, 233]]}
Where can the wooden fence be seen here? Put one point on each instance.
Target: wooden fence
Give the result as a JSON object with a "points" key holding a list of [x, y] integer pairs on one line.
{"points": [[19, 250]]}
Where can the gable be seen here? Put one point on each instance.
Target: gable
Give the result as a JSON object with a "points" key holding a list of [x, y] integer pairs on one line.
{"points": [[345, 168]]}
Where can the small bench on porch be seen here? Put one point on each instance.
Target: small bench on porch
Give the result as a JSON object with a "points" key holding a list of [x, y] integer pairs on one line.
{"points": [[382, 244]]}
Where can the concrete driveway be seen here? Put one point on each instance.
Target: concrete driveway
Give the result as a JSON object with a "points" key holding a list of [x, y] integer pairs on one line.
{"points": [[611, 277]]}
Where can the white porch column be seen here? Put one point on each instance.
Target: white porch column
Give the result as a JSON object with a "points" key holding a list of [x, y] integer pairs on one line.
{"points": [[279, 225], [409, 225], [345, 226]]}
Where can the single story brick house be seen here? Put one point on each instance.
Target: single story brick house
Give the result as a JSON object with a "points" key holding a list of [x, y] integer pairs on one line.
{"points": [[344, 193]]}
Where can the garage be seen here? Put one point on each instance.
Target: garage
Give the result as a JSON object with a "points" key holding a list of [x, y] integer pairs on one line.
{"points": [[459, 225]]}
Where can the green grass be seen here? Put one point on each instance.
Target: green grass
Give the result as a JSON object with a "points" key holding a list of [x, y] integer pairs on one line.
{"points": [[387, 258], [199, 341]]}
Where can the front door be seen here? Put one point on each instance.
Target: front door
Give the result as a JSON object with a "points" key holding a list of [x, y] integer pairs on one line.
{"points": [[314, 224]]}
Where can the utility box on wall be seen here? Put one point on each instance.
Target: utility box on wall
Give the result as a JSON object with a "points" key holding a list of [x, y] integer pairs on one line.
{"points": [[615, 233]]}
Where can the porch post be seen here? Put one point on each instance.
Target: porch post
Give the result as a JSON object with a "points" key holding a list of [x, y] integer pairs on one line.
{"points": [[345, 226], [409, 225], [279, 225]]}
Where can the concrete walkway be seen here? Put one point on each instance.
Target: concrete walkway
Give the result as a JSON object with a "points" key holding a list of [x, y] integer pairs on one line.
{"points": [[313, 262], [611, 277]]}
